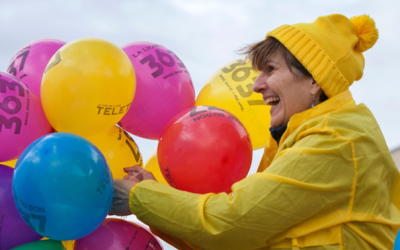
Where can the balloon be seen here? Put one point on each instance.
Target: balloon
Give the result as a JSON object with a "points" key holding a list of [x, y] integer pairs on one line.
{"points": [[164, 88], [22, 119], [42, 245], [69, 245], [87, 87], [13, 230], [119, 234], [119, 149], [62, 186], [153, 167], [10, 163], [231, 88], [31, 60], [397, 242], [204, 150]]}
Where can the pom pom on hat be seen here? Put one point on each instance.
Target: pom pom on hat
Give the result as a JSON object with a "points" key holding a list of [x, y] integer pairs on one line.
{"points": [[366, 31]]}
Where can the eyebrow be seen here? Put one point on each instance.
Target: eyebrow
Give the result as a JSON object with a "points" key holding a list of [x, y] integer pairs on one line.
{"points": [[269, 60]]}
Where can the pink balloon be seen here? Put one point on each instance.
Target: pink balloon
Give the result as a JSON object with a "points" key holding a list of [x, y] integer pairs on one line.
{"points": [[29, 63], [163, 89], [119, 234], [22, 119]]}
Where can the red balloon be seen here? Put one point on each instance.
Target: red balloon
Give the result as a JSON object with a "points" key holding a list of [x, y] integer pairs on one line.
{"points": [[118, 234], [203, 150]]}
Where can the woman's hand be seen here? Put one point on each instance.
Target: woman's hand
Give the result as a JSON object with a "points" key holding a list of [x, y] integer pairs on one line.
{"points": [[122, 188], [138, 174]]}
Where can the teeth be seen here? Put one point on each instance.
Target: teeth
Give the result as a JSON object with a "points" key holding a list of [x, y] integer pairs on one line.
{"points": [[270, 100]]}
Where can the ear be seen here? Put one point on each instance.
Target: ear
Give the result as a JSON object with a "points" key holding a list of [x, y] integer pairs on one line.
{"points": [[315, 88]]}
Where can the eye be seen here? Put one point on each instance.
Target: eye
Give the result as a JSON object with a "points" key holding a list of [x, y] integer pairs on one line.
{"points": [[269, 69]]}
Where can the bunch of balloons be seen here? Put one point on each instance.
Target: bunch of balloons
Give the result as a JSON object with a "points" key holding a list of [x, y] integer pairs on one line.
{"points": [[62, 185], [67, 112]]}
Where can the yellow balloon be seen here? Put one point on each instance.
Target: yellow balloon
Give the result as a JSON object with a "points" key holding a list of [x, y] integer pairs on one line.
{"points": [[69, 245], [87, 87], [119, 149], [10, 163], [231, 88], [153, 167]]}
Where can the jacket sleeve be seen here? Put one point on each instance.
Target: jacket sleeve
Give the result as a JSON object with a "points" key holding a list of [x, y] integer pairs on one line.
{"points": [[313, 179]]}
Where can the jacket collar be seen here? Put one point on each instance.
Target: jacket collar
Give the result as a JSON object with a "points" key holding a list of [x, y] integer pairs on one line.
{"points": [[336, 102]]}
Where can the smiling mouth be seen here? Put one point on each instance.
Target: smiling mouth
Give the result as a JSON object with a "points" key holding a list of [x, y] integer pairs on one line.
{"points": [[272, 101]]}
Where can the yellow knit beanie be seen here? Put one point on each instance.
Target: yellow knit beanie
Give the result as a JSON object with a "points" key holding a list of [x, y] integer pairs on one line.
{"points": [[330, 48]]}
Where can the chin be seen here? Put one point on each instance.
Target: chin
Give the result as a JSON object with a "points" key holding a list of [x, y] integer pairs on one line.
{"points": [[277, 118], [276, 124]]}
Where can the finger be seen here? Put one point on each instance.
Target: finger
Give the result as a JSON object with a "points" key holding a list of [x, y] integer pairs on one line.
{"points": [[133, 173], [131, 178], [139, 176], [148, 175], [135, 168]]}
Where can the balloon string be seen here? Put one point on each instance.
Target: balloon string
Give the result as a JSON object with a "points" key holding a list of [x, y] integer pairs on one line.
{"points": [[136, 173], [139, 172]]}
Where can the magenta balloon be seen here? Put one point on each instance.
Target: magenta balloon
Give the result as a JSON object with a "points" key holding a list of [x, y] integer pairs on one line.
{"points": [[163, 89], [30, 61], [119, 234], [13, 229], [22, 119]]}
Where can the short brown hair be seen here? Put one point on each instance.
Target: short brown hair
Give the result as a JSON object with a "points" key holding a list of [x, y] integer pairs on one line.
{"points": [[259, 53]]}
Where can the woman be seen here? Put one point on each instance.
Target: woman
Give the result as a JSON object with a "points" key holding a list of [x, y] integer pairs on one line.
{"points": [[327, 179]]}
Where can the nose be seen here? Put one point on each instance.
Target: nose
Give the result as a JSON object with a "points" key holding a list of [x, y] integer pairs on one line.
{"points": [[260, 84]]}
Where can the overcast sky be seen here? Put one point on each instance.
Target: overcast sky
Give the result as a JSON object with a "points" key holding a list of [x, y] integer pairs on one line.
{"points": [[205, 35]]}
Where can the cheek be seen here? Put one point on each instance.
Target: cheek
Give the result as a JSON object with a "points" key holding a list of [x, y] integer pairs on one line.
{"points": [[295, 98], [299, 101]]}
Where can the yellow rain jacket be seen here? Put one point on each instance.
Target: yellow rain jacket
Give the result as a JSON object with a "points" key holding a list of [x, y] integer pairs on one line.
{"points": [[331, 184]]}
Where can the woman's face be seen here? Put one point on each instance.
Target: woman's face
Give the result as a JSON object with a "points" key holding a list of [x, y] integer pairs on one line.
{"points": [[283, 91]]}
